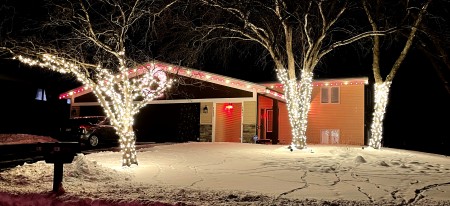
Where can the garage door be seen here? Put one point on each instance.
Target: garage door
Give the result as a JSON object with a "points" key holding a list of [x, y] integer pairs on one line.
{"points": [[228, 122]]}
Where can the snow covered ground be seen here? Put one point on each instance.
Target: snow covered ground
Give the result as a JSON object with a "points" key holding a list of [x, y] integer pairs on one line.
{"points": [[237, 174]]}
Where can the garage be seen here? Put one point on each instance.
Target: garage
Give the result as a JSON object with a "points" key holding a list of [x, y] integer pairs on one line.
{"points": [[168, 123]]}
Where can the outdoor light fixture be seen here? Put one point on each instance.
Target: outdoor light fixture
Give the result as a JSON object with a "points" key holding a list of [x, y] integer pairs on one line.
{"points": [[205, 109], [229, 106]]}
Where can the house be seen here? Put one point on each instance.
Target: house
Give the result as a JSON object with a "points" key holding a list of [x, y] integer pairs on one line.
{"points": [[214, 108]]}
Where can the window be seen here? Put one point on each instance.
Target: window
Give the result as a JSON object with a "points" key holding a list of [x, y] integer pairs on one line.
{"points": [[40, 95], [269, 120], [324, 95], [329, 136], [329, 95]]}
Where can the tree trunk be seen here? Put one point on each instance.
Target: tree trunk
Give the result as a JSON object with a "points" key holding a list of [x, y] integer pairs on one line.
{"points": [[128, 147], [298, 98], [381, 100]]}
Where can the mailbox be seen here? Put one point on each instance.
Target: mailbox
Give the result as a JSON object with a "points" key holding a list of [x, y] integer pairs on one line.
{"points": [[58, 153]]}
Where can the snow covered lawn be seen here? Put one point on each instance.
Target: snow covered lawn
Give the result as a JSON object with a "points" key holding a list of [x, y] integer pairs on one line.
{"points": [[238, 174]]}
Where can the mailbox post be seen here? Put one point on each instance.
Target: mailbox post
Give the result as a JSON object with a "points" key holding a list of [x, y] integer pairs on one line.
{"points": [[58, 153]]}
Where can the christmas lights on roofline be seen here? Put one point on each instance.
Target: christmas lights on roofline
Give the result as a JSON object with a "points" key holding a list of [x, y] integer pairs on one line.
{"points": [[215, 78]]}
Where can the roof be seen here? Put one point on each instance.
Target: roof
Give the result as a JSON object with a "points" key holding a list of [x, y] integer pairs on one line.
{"points": [[273, 89], [277, 86]]}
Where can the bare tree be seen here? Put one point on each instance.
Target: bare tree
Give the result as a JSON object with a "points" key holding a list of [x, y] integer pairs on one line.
{"points": [[101, 44], [296, 36], [382, 87], [434, 41]]}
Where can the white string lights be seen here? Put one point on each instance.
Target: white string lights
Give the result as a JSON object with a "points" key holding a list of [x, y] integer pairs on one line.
{"points": [[298, 106], [381, 100], [298, 99], [116, 93]]}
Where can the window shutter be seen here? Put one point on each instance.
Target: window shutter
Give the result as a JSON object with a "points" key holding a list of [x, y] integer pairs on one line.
{"points": [[334, 94], [324, 95]]}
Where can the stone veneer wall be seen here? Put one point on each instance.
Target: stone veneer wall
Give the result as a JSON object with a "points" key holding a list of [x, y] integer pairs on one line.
{"points": [[248, 133], [205, 133]]}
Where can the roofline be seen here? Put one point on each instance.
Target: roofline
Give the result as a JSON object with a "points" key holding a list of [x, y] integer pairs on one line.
{"points": [[325, 80], [261, 88], [210, 77], [182, 71]]}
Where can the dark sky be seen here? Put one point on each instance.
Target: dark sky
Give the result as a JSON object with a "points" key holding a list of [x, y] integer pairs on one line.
{"points": [[12, 72]]}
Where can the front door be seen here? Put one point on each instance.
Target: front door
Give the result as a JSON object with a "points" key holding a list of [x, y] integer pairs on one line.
{"points": [[262, 122], [268, 123]]}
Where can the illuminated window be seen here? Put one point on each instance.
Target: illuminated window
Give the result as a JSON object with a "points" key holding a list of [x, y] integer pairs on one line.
{"points": [[40, 95], [329, 95], [329, 136]]}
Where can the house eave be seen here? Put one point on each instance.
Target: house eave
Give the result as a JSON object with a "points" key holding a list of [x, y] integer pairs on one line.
{"points": [[182, 71]]}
